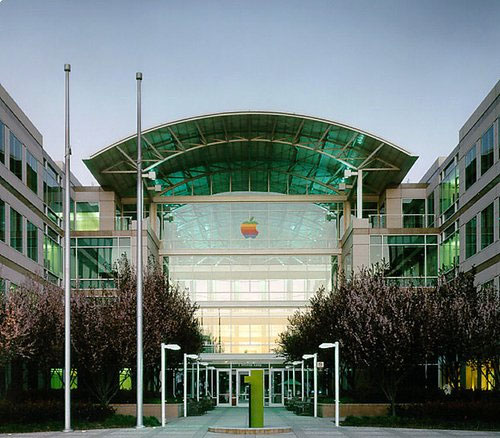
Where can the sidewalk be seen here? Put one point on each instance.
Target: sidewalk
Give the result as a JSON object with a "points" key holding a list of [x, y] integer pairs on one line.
{"points": [[303, 427]]}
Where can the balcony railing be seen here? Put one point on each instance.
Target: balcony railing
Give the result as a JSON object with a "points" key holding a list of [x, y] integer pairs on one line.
{"points": [[123, 223], [401, 220]]}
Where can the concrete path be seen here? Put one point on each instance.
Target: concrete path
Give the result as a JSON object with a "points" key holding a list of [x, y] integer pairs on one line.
{"points": [[303, 427]]}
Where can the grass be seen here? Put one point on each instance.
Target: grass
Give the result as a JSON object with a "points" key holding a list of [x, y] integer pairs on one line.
{"points": [[114, 421], [413, 423]]}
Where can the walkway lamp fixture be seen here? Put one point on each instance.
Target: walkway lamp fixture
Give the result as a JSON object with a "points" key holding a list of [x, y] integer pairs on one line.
{"points": [[186, 357], [326, 345], [164, 347], [315, 362]]}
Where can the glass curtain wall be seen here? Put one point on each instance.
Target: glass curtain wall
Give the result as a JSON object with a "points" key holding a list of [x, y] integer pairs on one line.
{"points": [[52, 193], [414, 213], [87, 216], [32, 241], [450, 248], [410, 259], [92, 260], [470, 167], [471, 238], [52, 255]]}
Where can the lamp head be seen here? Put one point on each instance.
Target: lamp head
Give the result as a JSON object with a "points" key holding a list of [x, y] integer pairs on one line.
{"points": [[307, 356], [327, 345], [205, 364], [297, 362], [172, 346], [191, 356]]}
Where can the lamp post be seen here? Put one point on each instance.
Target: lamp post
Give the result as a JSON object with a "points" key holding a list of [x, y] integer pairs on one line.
{"points": [[315, 362], [163, 381], [287, 367], [186, 357], [67, 259], [335, 345]]}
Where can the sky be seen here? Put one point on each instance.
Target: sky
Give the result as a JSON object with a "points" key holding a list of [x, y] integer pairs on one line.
{"points": [[410, 71]]}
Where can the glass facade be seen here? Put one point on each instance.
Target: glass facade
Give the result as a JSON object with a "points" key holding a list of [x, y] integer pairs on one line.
{"points": [[16, 230], [87, 216], [450, 248], [92, 260], [470, 167], [52, 193], [411, 259], [250, 226], [31, 172], [32, 241], [471, 237], [487, 150], [431, 218], [487, 226], [16, 156], [52, 255], [2, 220], [449, 190]]}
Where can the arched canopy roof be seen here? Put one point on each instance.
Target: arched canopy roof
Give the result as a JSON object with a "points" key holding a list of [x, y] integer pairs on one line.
{"points": [[251, 151]]}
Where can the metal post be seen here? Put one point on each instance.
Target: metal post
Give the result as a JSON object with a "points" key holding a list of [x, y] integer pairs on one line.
{"points": [[293, 382], [337, 384], [315, 384], [206, 381], [197, 381], [359, 195], [67, 259], [163, 384], [138, 78], [302, 380], [185, 385]]}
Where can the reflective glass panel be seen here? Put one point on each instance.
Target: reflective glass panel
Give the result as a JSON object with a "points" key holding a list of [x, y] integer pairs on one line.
{"points": [[16, 230], [487, 150], [487, 226], [16, 156]]}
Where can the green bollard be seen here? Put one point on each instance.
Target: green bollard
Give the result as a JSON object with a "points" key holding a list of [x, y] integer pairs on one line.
{"points": [[256, 405]]}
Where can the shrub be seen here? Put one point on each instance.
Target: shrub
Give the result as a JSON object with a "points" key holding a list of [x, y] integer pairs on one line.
{"points": [[50, 410], [486, 411]]}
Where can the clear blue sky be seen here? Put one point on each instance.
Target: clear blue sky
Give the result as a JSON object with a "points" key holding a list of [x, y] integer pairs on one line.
{"points": [[410, 71]]}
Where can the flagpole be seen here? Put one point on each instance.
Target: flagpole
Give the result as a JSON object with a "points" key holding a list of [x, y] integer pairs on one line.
{"points": [[67, 255], [140, 202]]}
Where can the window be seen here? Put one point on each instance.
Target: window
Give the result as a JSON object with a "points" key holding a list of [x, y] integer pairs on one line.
{"points": [[449, 190], [2, 220], [16, 230], [413, 213], [487, 226], [470, 237], [430, 210], [487, 150], [450, 248], [52, 255], [32, 236], [52, 193], [16, 156], [87, 216], [2, 143], [31, 172], [470, 167]]}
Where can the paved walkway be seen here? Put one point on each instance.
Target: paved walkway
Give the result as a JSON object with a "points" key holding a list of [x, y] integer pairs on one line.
{"points": [[303, 427]]}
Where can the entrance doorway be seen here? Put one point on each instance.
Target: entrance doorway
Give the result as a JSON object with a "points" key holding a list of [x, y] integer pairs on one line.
{"points": [[224, 387], [276, 381], [242, 388]]}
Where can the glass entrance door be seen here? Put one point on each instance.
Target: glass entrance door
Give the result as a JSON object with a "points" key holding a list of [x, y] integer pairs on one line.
{"points": [[277, 392], [224, 388], [242, 388]]}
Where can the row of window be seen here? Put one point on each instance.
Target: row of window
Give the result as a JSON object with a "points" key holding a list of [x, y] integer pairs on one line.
{"points": [[486, 147], [16, 234]]}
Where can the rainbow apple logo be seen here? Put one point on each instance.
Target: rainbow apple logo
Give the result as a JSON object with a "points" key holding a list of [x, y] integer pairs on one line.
{"points": [[249, 228]]}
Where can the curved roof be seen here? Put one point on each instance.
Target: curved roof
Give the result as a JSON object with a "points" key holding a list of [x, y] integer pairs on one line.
{"points": [[251, 151]]}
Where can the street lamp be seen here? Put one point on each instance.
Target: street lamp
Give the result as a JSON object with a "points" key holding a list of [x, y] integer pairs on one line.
{"points": [[326, 345], [315, 362], [164, 347], [186, 357]]}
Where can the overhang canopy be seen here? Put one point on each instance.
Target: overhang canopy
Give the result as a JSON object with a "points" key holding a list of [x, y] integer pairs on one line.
{"points": [[251, 151]]}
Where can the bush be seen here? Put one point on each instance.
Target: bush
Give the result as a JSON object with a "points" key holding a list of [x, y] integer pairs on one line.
{"points": [[195, 407], [51, 410], [486, 411]]}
